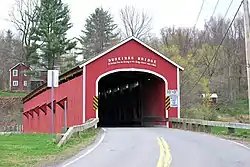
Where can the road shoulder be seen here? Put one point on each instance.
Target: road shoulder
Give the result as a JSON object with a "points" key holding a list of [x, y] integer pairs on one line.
{"points": [[242, 141], [71, 153], [82, 151]]}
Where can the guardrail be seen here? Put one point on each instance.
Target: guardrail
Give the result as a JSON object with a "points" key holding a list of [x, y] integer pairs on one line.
{"points": [[205, 125], [76, 129], [11, 128]]}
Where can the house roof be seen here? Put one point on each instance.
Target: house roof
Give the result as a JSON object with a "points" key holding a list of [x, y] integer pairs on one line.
{"points": [[33, 68], [124, 42], [17, 65]]}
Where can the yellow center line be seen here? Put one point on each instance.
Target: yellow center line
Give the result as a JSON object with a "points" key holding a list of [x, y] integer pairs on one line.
{"points": [[160, 161], [168, 156], [165, 158]]}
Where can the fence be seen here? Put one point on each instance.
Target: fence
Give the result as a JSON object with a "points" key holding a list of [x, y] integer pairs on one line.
{"points": [[11, 128], [204, 125], [76, 129]]}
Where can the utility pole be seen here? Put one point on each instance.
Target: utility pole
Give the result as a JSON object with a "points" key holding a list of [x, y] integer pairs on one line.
{"points": [[247, 46]]}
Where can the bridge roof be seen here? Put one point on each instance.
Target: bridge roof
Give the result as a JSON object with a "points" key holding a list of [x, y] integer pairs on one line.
{"points": [[124, 42]]}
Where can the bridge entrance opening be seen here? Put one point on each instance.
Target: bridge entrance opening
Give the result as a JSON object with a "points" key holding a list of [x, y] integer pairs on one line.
{"points": [[128, 99]]}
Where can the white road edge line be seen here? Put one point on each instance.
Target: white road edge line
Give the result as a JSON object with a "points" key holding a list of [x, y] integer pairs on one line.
{"points": [[231, 141], [237, 143], [87, 152]]}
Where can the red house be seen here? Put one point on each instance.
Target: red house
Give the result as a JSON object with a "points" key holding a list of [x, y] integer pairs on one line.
{"points": [[18, 79], [129, 84]]}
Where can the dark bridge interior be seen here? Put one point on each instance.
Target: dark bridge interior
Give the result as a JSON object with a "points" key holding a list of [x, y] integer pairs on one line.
{"points": [[131, 99]]}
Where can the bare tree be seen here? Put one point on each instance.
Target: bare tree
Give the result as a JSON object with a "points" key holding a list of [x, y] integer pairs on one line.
{"points": [[178, 36], [24, 16], [135, 23]]}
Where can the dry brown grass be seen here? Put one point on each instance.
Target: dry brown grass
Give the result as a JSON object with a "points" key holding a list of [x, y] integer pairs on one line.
{"points": [[10, 111]]}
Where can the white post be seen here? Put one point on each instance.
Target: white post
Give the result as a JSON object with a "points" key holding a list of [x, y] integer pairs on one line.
{"points": [[65, 116], [52, 104], [52, 81]]}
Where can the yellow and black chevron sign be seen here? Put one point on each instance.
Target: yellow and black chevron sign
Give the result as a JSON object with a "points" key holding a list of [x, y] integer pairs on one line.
{"points": [[95, 103], [167, 103]]}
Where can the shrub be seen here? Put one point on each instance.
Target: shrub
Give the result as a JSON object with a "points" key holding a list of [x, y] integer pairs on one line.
{"points": [[203, 111]]}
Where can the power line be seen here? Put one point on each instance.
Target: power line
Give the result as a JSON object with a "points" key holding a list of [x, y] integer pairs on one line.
{"points": [[217, 3], [228, 9], [211, 17], [199, 14], [215, 8], [204, 33], [217, 49]]}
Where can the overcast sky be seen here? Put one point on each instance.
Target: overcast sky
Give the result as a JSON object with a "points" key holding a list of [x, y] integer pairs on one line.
{"points": [[181, 13]]}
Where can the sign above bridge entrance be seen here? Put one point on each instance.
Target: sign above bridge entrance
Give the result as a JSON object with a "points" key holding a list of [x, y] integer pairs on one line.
{"points": [[132, 60]]}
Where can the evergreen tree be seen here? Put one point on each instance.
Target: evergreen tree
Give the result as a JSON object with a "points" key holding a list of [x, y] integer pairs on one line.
{"points": [[9, 40], [99, 33], [7, 58], [54, 22]]}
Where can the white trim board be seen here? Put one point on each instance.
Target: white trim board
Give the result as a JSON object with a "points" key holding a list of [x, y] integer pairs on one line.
{"points": [[84, 94], [179, 93], [10, 81], [125, 41], [132, 69], [17, 65]]}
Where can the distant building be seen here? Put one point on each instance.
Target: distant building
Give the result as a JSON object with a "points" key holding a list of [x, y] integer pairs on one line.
{"points": [[20, 81], [213, 98], [18, 78]]}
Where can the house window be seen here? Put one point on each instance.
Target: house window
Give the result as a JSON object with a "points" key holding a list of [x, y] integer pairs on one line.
{"points": [[25, 83], [15, 83], [15, 73]]}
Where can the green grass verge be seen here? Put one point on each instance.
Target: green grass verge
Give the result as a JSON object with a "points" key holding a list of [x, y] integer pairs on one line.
{"points": [[239, 108], [12, 94], [241, 133], [23, 150]]}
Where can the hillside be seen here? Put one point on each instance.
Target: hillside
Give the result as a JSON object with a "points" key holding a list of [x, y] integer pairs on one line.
{"points": [[10, 110], [237, 112]]}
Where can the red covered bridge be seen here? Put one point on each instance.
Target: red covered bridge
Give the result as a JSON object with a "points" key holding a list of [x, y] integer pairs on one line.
{"points": [[129, 82]]}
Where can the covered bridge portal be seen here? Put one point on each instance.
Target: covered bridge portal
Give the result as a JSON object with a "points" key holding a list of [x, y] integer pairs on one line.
{"points": [[130, 84]]}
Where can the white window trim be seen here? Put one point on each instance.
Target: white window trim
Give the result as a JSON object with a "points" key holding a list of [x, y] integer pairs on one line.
{"points": [[25, 83], [13, 83], [13, 73]]}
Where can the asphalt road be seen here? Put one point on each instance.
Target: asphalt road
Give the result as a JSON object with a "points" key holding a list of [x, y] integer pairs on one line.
{"points": [[138, 147]]}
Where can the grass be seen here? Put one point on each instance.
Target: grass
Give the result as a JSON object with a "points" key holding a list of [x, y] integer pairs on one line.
{"points": [[241, 136], [23, 150], [241, 133], [239, 108], [238, 112], [12, 94]]}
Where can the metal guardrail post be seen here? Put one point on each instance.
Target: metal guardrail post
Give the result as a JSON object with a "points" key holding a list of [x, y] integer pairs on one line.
{"points": [[231, 131]]}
